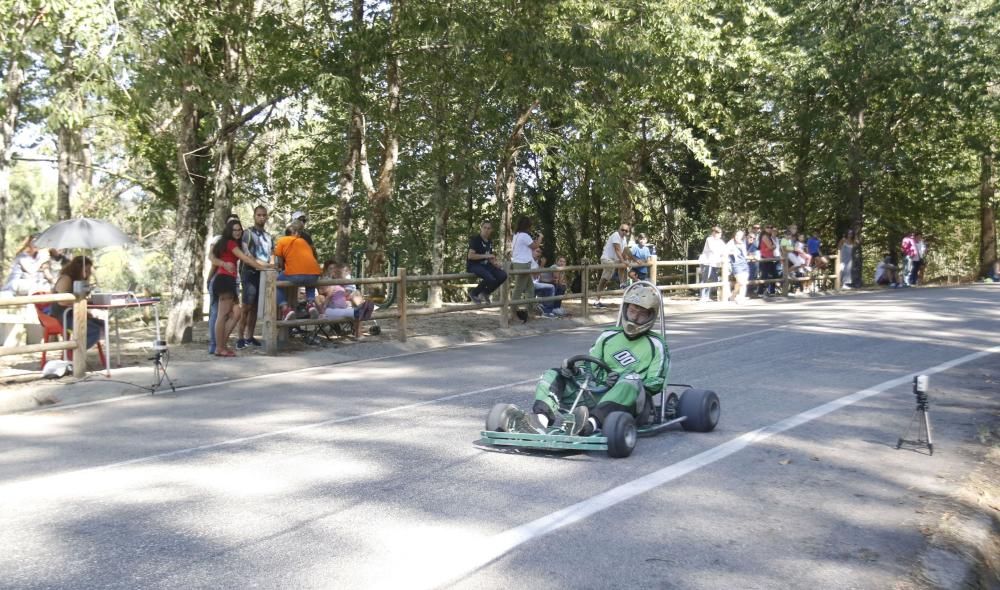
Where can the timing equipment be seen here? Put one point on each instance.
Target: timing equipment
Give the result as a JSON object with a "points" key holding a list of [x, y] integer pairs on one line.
{"points": [[920, 417]]}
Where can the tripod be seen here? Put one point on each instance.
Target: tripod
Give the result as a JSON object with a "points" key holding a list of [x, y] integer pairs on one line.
{"points": [[160, 371], [921, 418]]}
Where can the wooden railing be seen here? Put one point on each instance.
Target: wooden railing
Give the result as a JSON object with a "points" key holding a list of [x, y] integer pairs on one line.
{"points": [[77, 343], [275, 330]]}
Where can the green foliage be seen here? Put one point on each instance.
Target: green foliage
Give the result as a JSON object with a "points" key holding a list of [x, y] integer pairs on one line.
{"points": [[675, 114]]}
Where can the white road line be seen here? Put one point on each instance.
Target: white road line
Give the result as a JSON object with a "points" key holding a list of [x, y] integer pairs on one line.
{"points": [[492, 548], [309, 426]]}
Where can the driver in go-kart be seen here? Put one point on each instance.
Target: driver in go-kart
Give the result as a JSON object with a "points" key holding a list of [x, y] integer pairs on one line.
{"points": [[638, 359]]}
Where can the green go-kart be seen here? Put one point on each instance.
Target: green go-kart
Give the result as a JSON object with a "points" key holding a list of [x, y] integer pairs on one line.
{"points": [[694, 409]]}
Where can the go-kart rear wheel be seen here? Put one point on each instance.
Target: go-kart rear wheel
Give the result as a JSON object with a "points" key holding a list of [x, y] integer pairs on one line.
{"points": [[619, 428], [701, 408], [496, 420]]}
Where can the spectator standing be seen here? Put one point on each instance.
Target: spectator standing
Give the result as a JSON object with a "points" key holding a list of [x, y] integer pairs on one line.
{"points": [[739, 260], [521, 256], [298, 258], [641, 254], [258, 244], [711, 261], [213, 302], [614, 253], [908, 251], [917, 258], [228, 253], [482, 262], [846, 249], [753, 252], [768, 266]]}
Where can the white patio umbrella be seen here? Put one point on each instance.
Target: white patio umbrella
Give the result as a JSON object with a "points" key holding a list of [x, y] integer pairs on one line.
{"points": [[82, 232]]}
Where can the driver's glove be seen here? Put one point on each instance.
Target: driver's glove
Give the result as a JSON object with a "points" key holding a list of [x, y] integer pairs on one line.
{"points": [[567, 372], [611, 379]]}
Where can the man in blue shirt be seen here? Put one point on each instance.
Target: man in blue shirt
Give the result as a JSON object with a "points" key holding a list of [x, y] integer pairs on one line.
{"points": [[640, 251]]}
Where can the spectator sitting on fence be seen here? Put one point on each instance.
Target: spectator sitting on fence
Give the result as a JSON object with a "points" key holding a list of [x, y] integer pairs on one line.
{"points": [[25, 276], [542, 289], [802, 251], [792, 259], [298, 259], [79, 269], [640, 254], [482, 262], [344, 303], [886, 271], [815, 249], [557, 278]]}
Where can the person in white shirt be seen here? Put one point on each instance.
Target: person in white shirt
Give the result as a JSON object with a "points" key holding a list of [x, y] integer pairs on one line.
{"points": [[521, 256], [614, 252], [25, 275], [711, 261]]}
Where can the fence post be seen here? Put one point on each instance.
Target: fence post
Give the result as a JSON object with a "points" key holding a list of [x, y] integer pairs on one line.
{"points": [[652, 268], [585, 287], [80, 335], [784, 276], [505, 297], [401, 292], [269, 305], [837, 271], [726, 291]]}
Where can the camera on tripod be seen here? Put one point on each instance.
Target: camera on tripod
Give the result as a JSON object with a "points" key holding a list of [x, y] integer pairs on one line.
{"points": [[921, 383]]}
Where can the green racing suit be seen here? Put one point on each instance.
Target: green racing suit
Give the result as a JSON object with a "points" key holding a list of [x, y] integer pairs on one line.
{"points": [[642, 364]]}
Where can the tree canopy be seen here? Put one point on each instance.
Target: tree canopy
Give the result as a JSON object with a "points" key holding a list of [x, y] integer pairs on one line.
{"points": [[400, 125]]}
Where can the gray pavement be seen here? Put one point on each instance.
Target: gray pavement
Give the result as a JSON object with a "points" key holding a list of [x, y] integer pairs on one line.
{"points": [[364, 475]]}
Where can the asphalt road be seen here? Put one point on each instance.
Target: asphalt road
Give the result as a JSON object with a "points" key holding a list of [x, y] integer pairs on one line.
{"points": [[366, 476]]}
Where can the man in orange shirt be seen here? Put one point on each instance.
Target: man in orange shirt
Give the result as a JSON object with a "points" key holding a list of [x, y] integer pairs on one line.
{"points": [[297, 258]]}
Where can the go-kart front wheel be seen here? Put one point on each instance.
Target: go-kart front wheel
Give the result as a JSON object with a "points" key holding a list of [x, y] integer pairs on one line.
{"points": [[701, 408], [619, 428], [497, 419]]}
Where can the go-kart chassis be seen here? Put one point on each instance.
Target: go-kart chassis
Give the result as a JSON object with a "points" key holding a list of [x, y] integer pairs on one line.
{"points": [[557, 439]]}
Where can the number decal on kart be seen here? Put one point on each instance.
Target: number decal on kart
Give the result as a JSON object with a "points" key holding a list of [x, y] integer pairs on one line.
{"points": [[625, 358]]}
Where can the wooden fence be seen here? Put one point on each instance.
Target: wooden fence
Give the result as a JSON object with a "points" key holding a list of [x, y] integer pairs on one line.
{"points": [[77, 344], [275, 330]]}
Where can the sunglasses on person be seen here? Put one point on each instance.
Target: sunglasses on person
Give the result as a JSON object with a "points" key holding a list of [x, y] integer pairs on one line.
{"points": [[624, 230]]}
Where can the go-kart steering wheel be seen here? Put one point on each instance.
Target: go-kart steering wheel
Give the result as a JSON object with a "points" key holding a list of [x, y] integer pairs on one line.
{"points": [[572, 362]]}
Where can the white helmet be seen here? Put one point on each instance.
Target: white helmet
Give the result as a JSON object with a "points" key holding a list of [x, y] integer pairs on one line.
{"points": [[646, 296]]}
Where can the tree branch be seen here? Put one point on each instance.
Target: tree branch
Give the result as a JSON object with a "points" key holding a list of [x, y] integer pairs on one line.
{"points": [[138, 182]]}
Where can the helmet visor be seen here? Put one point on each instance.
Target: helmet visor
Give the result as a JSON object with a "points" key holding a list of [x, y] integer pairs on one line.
{"points": [[638, 314]]}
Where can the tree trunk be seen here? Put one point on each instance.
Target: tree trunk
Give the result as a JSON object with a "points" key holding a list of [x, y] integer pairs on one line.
{"points": [[506, 182], [987, 214], [439, 240], [345, 184], [855, 193], [378, 231], [189, 244], [69, 136], [13, 83]]}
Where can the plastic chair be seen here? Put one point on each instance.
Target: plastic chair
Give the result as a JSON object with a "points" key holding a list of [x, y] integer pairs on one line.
{"points": [[53, 327]]}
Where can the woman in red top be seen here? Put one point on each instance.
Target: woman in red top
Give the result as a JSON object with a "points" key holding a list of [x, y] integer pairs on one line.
{"points": [[225, 253], [768, 268]]}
